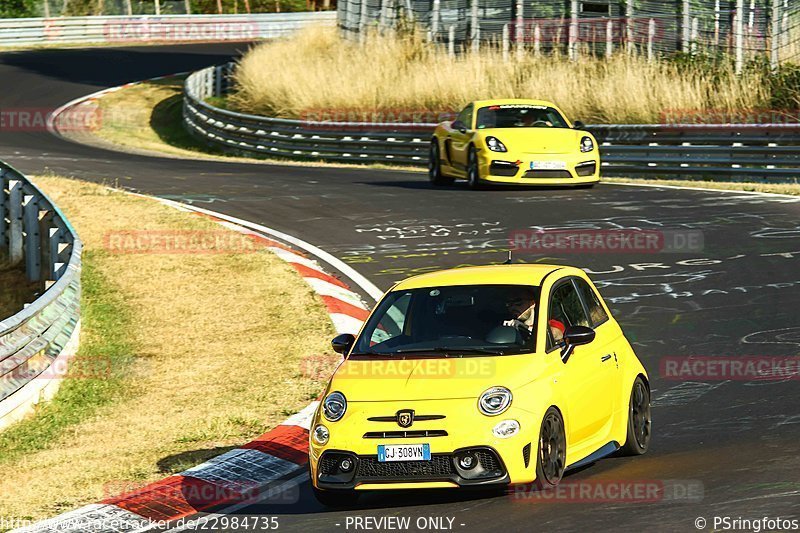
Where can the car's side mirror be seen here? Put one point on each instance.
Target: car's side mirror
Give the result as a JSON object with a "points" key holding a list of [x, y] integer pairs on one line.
{"points": [[578, 125], [342, 343], [460, 126], [575, 336]]}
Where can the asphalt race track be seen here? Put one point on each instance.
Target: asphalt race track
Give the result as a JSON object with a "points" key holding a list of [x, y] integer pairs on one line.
{"points": [[735, 445]]}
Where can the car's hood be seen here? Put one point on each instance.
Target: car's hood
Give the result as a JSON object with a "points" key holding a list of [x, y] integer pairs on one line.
{"points": [[431, 379], [538, 140]]}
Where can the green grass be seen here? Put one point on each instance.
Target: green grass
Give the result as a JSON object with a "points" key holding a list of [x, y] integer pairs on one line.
{"points": [[104, 345]]}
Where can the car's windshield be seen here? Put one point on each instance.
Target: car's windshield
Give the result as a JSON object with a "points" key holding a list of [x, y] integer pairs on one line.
{"points": [[462, 320], [519, 116]]}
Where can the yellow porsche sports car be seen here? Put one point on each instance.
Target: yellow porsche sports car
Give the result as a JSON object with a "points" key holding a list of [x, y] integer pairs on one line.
{"points": [[522, 142], [478, 377]]}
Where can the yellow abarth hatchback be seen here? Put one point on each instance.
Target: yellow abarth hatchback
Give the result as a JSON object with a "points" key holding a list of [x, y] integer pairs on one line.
{"points": [[478, 377], [521, 142]]}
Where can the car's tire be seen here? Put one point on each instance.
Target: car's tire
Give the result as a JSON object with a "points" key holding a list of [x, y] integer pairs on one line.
{"points": [[435, 166], [551, 454], [336, 498], [639, 420], [473, 173]]}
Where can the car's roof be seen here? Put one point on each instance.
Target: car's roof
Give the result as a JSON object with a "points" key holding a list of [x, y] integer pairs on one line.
{"points": [[508, 101], [482, 275]]}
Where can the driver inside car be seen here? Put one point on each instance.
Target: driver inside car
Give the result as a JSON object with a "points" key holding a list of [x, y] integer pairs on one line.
{"points": [[524, 313]]}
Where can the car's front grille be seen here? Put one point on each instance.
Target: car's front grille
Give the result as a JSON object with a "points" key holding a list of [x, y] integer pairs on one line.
{"points": [[440, 466], [328, 463], [586, 169], [488, 460], [503, 168], [547, 174], [415, 434]]}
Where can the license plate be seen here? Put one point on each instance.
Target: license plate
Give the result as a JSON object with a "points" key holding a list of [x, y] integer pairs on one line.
{"points": [[548, 165], [404, 452]]}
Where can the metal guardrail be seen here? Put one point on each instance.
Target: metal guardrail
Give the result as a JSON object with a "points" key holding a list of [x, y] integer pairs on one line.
{"points": [[725, 151], [154, 28], [35, 233]]}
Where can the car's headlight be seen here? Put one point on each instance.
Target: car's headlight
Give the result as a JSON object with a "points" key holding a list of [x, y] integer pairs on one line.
{"points": [[495, 145], [334, 406], [494, 401], [321, 434], [587, 145]]}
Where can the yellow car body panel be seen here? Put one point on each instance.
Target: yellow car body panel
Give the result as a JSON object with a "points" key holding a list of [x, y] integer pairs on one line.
{"points": [[545, 156], [591, 390]]}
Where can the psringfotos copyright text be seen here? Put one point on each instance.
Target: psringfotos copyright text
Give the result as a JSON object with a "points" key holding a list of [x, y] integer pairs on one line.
{"points": [[756, 525]]}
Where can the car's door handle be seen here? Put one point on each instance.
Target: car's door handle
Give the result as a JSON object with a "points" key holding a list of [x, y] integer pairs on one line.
{"points": [[605, 358]]}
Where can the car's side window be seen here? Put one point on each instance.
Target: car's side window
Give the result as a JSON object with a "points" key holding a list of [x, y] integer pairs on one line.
{"points": [[394, 322], [596, 312], [465, 117], [565, 310]]}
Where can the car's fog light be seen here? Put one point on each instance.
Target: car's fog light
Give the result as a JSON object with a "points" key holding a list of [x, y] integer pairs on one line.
{"points": [[321, 434], [346, 465], [506, 429], [467, 462]]}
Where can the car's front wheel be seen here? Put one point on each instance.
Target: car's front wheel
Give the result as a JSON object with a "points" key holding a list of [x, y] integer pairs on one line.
{"points": [[639, 419], [473, 174], [551, 458], [435, 166], [336, 498]]}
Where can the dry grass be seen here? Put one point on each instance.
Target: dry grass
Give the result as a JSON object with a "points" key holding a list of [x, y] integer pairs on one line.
{"points": [[217, 342], [792, 189], [316, 70], [15, 289]]}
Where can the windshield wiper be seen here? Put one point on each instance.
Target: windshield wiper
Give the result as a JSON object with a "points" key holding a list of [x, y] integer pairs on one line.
{"points": [[448, 350]]}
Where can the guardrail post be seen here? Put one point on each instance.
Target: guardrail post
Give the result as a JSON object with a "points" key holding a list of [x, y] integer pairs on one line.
{"points": [[506, 42], [519, 36], [15, 222], [435, 21], [774, 58], [739, 32], [629, 46], [451, 40], [609, 38], [573, 30], [685, 28], [3, 209], [54, 243], [474, 31], [651, 33], [218, 81], [45, 229], [33, 255]]}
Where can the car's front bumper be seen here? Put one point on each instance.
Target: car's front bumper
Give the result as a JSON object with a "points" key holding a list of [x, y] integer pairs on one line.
{"points": [[523, 168], [443, 470], [456, 429]]}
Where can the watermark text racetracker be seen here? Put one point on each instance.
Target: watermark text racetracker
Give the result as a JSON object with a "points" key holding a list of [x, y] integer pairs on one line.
{"points": [[191, 30], [606, 241], [614, 491], [743, 368], [181, 242], [398, 367]]}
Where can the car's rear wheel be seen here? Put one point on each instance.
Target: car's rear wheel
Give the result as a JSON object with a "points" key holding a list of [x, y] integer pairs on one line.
{"points": [[435, 166], [551, 458], [336, 498], [639, 419], [473, 174]]}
